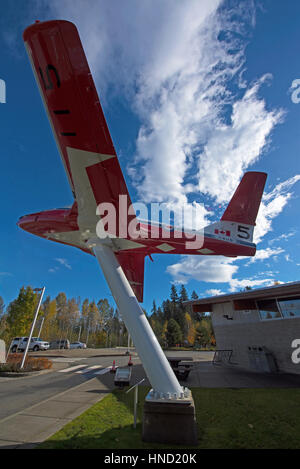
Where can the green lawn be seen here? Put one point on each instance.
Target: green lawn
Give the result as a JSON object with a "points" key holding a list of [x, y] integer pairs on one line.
{"points": [[226, 418]]}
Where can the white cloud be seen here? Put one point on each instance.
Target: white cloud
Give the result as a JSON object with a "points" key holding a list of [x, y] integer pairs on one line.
{"points": [[272, 205], [63, 262], [180, 65], [177, 63], [184, 122], [262, 254], [270, 273], [232, 148], [236, 284], [283, 237], [214, 292], [215, 269], [282, 188]]}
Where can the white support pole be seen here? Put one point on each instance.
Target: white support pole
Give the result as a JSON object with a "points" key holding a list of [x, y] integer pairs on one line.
{"points": [[156, 365]]}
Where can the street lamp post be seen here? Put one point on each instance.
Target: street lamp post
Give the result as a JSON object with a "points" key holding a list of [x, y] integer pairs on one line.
{"points": [[43, 319], [88, 333], [128, 343], [79, 333], [33, 324]]}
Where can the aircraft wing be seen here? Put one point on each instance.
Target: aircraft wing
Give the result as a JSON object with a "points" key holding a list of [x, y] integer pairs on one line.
{"points": [[133, 267], [74, 111], [81, 133]]}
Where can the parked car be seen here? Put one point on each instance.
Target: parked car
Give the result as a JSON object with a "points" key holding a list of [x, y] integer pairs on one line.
{"points": [[36, 344], [59, 344], [77, 345]]}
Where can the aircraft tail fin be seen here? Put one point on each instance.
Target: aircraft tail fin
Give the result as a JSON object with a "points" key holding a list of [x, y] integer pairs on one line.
{"points": [[238, 221], [244, 205]]}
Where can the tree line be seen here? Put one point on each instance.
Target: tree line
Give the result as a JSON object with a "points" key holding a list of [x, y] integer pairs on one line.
{"points": [[175, 324], [99, 324]]}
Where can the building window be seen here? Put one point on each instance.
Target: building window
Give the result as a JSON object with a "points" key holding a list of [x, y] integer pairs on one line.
{"points": [[290, 307], [268, 309]]}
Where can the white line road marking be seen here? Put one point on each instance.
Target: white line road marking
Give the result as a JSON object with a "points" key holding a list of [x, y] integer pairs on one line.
{"points": [[66, 360], [66, 370], [86, 370], [102, 372], [62, 360]]}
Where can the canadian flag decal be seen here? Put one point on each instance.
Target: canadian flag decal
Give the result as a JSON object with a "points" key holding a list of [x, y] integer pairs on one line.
{"points": [[226, 233]]}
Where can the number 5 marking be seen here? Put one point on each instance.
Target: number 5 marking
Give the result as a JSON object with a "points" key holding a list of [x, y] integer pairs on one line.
{"points": [[243, 230]]}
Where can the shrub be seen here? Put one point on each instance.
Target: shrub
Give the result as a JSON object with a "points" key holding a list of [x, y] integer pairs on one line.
{"points": [[14, 361]]}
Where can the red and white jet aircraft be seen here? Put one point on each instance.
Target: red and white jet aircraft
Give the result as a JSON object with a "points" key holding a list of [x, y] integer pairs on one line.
{"points": [[88, 155]]}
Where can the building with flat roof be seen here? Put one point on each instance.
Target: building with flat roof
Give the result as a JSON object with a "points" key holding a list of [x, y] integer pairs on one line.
{"points": [[256, 329]]}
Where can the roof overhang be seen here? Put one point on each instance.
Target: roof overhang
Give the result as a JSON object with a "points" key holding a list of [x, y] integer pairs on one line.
{"points": [[245, 299]]}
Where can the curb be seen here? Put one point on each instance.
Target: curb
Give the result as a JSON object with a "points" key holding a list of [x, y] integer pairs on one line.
{"points": [[7, 375]]}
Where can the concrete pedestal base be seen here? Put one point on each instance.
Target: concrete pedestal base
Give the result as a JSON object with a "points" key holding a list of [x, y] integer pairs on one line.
{"points": [[173, 423]]}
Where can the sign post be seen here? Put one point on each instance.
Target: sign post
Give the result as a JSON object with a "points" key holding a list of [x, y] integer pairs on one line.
{"points": [[135, 400]]}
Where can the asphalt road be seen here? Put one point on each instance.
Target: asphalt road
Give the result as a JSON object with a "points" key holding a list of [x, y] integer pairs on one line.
{"points": [[19, 393]]}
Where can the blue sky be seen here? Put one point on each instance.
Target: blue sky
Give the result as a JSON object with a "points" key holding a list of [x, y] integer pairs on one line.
{"points": [[194, 93]]}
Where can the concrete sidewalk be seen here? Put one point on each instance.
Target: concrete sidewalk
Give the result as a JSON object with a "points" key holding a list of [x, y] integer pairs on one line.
{"points": [[34, 425]]}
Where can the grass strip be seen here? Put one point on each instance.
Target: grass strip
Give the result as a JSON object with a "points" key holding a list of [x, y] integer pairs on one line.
{"points": [[226, 418]]}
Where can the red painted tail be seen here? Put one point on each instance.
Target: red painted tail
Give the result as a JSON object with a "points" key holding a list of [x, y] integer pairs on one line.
{"points": [[245, 202]]}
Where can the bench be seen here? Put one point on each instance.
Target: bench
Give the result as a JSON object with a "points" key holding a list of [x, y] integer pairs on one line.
{"points": [[182, 373], [181, 366], [174, 361]]}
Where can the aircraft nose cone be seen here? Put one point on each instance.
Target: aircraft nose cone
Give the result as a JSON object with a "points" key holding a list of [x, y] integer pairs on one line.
{"points": [[25, 222]]}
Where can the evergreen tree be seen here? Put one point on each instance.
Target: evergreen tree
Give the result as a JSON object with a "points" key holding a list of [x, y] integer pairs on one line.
{"points": [[183, 294], [160, 315], [194, 315], [167, 309], [179, 316], [154, 309], [174, 295], [173, 334], [194, 295]]}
